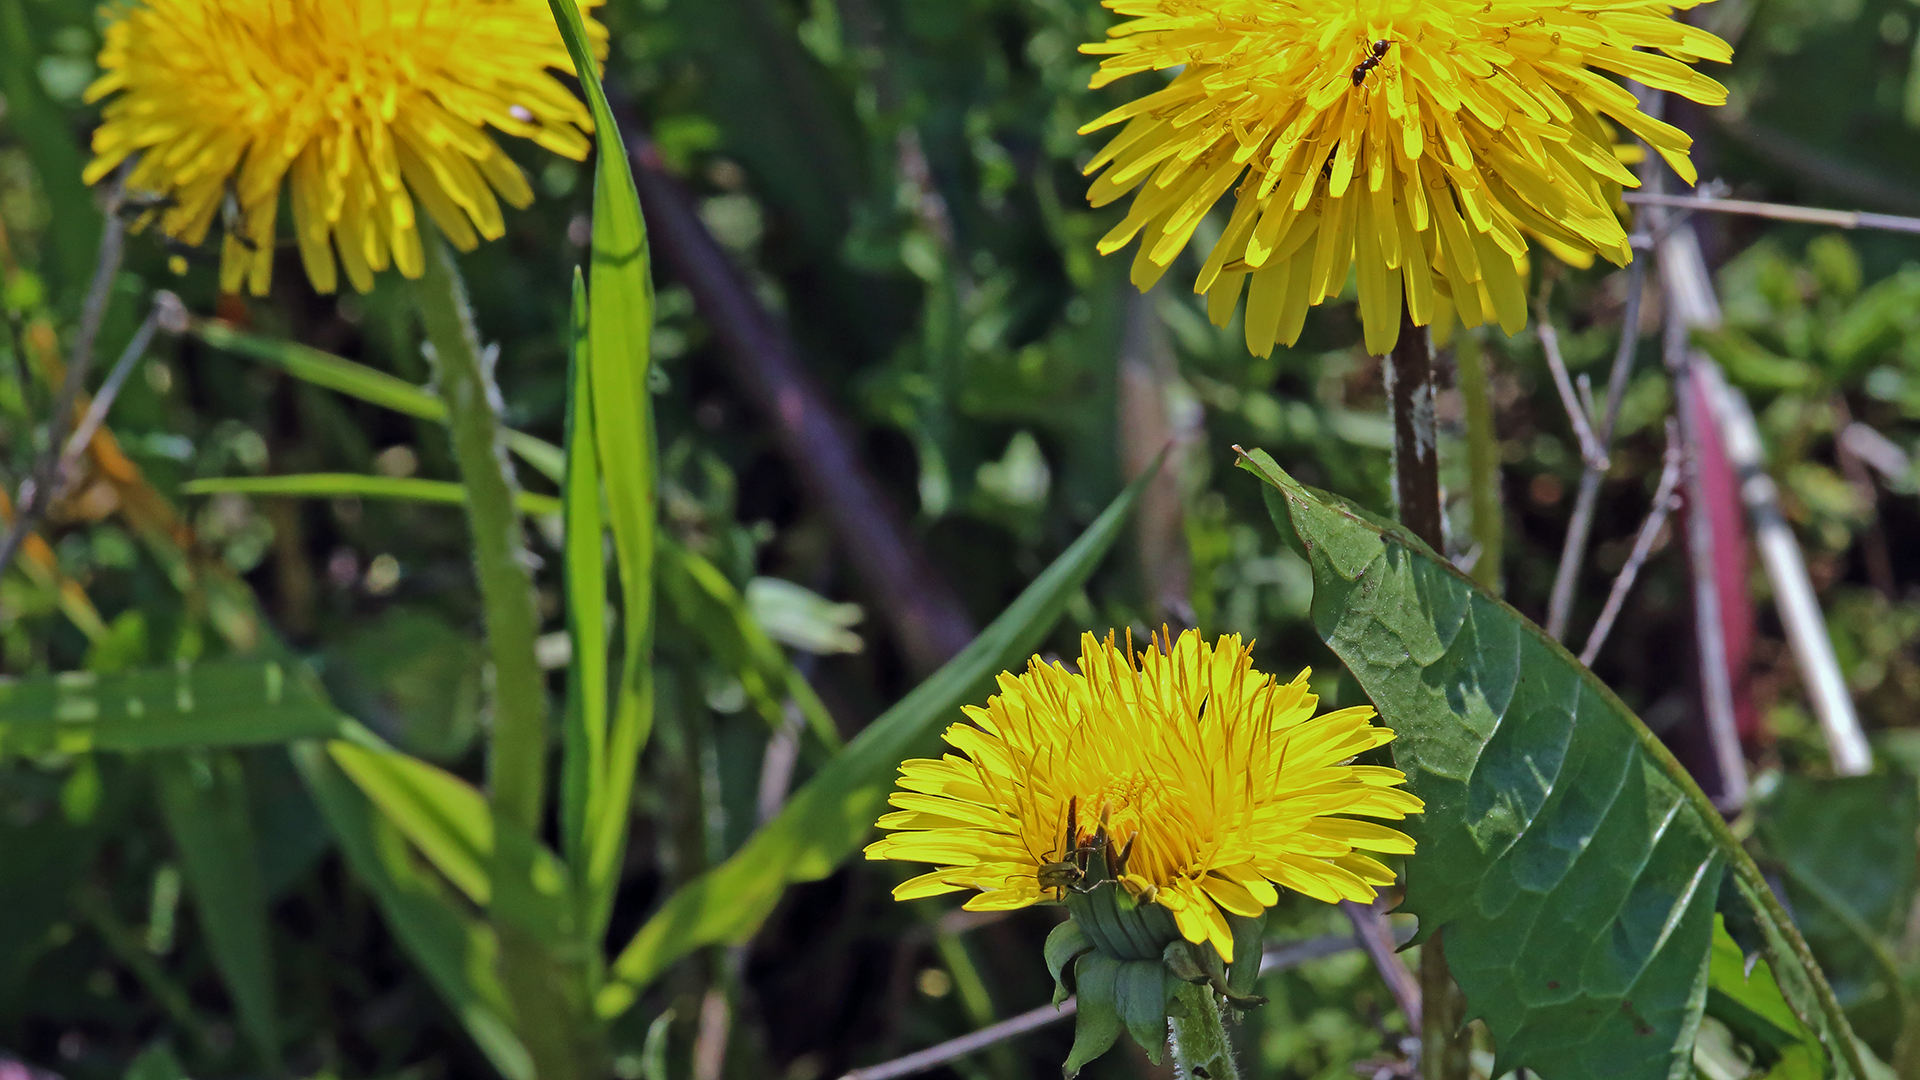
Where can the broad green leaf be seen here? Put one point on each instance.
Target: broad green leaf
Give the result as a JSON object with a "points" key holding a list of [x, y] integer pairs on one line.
{"points": [[584, 765], [708, 604], [619, 334], [333, 485], [360, 381], [203, 797], [1569, 859], [828, 817], [221, 703], [456, 951]]}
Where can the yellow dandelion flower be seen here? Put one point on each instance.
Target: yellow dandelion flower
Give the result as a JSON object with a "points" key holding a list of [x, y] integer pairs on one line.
{"points": [[358, 106], [1210, 782], [1418, 141]]}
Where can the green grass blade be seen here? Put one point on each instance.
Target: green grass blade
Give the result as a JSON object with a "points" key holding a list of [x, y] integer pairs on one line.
{"points": [[457, 952], [584, 768], [74, 219], [204, 800], [619, 331], [220, 703], [450, 823], [368, 384], [827, 818], [358, 485], [443, 815], [1571, 861], [707, 603]]}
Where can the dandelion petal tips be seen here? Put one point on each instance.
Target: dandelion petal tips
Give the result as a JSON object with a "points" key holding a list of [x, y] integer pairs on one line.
{"points": [[359, 107], [1215, 785], [1418, 143]]}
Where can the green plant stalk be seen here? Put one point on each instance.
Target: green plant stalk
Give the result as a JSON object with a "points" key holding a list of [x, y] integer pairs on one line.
{"points": [[516, 757], [1200, 1043], [1483, 458], [548, 1004]]}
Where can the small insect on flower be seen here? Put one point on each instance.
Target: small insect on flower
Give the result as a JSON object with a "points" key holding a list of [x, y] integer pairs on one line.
{"points": [[1372, 61], [1420, 144], [360, 107], [1178, 774]]}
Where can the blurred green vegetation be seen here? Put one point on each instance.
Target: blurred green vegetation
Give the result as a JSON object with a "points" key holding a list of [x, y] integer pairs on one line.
{"points": [[900, 181]]}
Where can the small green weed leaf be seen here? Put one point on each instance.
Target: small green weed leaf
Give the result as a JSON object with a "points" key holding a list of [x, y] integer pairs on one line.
{"points": [[1569, 859], [458, 953], [221, 703], [828, 817], [708, 604], [204, 800], [620, 335], [1096, 1027], [1065, 944], [1753, 1008], [359, 485]]}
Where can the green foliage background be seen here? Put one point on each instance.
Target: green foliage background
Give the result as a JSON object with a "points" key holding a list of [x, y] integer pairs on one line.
{"points": [[900, 181]]}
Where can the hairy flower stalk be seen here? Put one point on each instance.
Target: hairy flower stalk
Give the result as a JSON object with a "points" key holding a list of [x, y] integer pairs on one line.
{"points": [[1166, 795], [1417, 143], [359, 107]]}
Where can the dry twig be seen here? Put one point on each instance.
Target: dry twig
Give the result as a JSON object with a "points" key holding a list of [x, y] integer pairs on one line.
{"points": [[1665, 501]]}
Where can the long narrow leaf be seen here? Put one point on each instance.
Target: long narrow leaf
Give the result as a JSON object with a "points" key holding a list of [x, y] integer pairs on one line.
{"points": [[619, 332], [359, 485], [457, 952], [1571, 861], [584, 768], [825, 820], [204, 799], [222, 703]]}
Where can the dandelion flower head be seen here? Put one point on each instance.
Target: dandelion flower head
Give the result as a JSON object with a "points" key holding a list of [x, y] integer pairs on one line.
{"points": [[1419, 142], [359, 107], [1217, 780]]}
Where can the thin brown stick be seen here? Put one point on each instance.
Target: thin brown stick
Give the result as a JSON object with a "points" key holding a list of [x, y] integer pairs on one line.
{"points": [[1591, 451], [1371, 931], [36, 494], [1664, 503], [1278, 958], [1838, 219], [1573, 552], [928, 618]]}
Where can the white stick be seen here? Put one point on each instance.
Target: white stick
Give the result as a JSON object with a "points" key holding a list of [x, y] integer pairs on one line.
{"points": [[1692, 295]]}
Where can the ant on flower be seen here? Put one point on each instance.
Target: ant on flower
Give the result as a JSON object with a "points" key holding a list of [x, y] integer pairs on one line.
{"points": [[1372, 61]]}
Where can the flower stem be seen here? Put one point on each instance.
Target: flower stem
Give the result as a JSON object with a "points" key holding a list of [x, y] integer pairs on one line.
{"points": [[1201, 1048], [516, 762]]}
